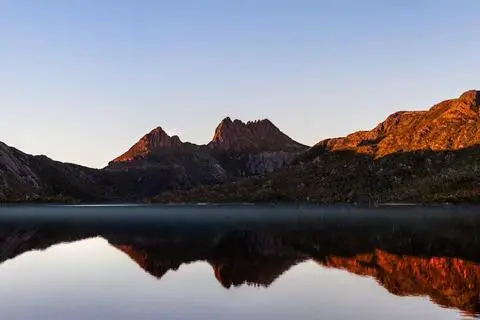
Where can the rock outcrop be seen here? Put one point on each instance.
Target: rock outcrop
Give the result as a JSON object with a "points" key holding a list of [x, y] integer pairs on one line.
{"points": [[253, 136]]}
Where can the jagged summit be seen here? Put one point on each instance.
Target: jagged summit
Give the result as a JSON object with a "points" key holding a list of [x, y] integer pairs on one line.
{"points": [[471, 97], [259, 135], [227, 122], [253, 136], [152, 141]]}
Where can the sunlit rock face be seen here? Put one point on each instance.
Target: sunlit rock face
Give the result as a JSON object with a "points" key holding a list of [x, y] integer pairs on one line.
{"points": [[449, 125]]}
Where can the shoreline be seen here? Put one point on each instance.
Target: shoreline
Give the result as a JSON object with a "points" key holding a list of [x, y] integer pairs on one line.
{"points": [[93, 204]]}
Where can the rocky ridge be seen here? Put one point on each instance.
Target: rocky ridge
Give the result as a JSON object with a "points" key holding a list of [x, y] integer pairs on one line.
{"points": [[416, 156], [229, 137], [237, 149], [449, 125], [411, 156]]}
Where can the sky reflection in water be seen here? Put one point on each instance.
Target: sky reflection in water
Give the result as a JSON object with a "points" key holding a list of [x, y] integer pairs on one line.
{"points": [[238, 262], [91, 279]]}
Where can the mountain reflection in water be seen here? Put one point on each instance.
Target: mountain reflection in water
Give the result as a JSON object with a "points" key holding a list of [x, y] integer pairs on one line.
{"points": [[409, 253]]}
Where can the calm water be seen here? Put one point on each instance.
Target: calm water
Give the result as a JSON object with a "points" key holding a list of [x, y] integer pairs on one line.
{"points": [[237, 262]]}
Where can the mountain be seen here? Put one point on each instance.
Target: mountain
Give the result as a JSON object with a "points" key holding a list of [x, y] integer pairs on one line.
{"points": [[15, 172], [26, 177], [449, 125], [230, 136], [156, 139], [415, 156], [237, 149], [253, 136], [160, 162], [156, 163]]}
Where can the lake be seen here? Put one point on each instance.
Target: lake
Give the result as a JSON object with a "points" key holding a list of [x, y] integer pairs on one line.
{"points": [[239, 262]]}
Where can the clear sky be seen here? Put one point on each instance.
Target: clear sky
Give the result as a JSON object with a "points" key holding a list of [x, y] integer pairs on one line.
{"points": [[82, 80]]}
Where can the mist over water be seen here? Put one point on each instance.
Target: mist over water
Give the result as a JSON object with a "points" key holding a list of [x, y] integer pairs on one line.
{"points": [[237, 262]]}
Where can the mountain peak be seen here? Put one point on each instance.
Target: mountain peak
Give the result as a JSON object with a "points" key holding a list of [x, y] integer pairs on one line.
{"points": [[230, 135], [472, 98], [155, 140], [158, 130], [255, 135], [226, 120]]}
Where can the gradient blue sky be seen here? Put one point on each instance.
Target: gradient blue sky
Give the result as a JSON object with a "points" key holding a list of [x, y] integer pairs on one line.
{"points": [[81, 81]]}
